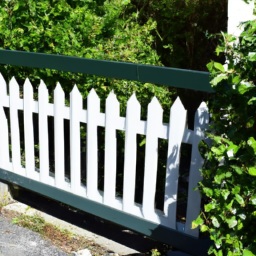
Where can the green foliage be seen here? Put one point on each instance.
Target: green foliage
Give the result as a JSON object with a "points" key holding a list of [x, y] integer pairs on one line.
{"points": [[90, 29], [183, 29], [229, 170]]}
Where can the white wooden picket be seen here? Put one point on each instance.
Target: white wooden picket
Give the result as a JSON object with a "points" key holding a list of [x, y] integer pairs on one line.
{"points": [[112, 114], [59, 103], [43, 132], [154, 122], [93, 110], [15, 139], [29, 129], [132, 122], [154, 128], [178, 122], [76, 104], [194, 200]]}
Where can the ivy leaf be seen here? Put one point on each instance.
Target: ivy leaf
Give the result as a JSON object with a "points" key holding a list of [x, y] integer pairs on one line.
{"points": [[197, 222], [252, 143], [247, 253], [239, 199], [232, 222], [252, 171], [203, 228], [208, 207], [236, 190], [225, 193], [218, 78], [243, 88], [237, 169], [215, 222], [219, 66], [208, 192], [16, 7], [253, 199]]}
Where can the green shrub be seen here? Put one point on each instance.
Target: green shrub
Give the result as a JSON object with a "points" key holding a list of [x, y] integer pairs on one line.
{"points": [[229, 171]]}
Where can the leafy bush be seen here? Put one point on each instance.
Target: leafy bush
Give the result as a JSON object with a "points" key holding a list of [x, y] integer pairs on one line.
{"points": [[229, 183], [183, 28], [90, 29]]}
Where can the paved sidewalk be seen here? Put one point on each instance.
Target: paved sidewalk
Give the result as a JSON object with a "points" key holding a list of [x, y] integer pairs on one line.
{"points": [[18, 241]]}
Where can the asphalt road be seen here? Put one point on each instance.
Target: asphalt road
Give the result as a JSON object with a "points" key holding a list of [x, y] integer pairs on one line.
{"points": [[18, 241]]}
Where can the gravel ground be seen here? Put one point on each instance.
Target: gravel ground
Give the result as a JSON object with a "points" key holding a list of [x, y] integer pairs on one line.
{"points": [[15, 240]]}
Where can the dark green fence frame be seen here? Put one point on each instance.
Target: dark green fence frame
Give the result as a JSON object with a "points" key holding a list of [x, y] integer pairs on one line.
{"points": [[187, 79]]}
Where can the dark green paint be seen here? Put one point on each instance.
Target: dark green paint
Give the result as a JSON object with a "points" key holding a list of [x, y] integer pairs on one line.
{"points": [[189, 244], [182, 78]]}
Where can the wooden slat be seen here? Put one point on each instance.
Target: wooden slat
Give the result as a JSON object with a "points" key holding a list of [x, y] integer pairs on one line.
{"points": [[4, 136], [76, 104], [154, 122], [183, 78], [59, 102], [29, 129], [133, 111], [177, 126], [4, 139], [15, 133], [194, 198], [43, 132], [93, 110], [112, 114]]}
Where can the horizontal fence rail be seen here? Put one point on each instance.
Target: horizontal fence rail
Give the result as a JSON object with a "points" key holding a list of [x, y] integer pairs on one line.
{"points": [[188, 79], [175, 132]]}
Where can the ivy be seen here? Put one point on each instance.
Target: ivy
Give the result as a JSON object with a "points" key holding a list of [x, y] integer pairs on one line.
{"points": [[229, 166]]}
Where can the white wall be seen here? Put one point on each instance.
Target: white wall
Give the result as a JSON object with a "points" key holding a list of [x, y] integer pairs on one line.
{"points": [[238, 11]]}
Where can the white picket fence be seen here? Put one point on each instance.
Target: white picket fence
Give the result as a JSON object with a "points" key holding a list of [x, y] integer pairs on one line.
{"points": [[175, 132]]}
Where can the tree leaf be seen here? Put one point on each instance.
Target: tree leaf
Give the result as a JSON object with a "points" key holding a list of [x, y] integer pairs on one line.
{"points": [[215, 222], [219, 66], [232, 222], [247, 253], [237, 169], [252, 171], [239, 199]]}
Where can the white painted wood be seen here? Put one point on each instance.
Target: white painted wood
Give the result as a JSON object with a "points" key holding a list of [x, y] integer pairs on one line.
{"points": [[4, 140], [133, 112], [59, 102], [29, 129], [154, 122], [4, 136], [15, 133], [239, 11], [4, 99], [43, 132], [76, 104], [178, 116], [112, 114], [194, 198], [93, 110]]}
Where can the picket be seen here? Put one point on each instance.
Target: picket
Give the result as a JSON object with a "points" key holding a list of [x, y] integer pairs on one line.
{"points": [[194, 198], [59, 103], [43, 132], [4, 145], [76, 104], [176, 130], [93, 110], [112, 114], [29, 129], [153, 128], [15, 138], [4, 138], [132, 122], [154, 122]]}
